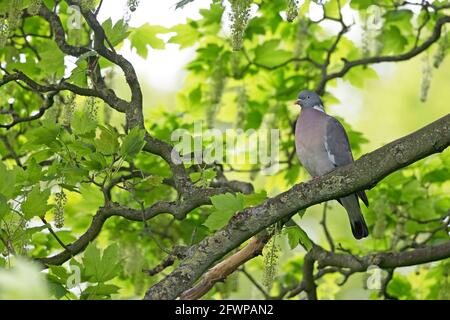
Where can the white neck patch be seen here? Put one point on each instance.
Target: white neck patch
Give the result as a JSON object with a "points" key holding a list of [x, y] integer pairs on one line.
{"points": [[319, 107]]}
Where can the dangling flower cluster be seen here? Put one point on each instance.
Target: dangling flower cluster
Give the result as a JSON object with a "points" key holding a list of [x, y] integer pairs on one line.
{"points": [[235, 64], [216, 92], [68, 109], [292, 10], [239, 16], [53, 113], [34, 7], [14, 14], [87, 5], [370, 43], [4, 32], [271, 258], [217, 85], [60, 203], [427, 72], [444, 45], [242, 99], [371, 27], [300, 39], [133, 4], [92, 108], [107, 113]]}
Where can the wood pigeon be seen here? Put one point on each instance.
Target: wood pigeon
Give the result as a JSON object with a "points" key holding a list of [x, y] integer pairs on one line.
{"points": [[322, 145]]}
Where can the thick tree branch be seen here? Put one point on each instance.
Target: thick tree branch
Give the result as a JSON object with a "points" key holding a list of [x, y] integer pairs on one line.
{"points": [[385, 260], [362, 174], [59, 33]]}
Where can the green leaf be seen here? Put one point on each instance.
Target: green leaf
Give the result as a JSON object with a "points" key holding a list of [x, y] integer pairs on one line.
{"points": [[186, 35], [225, 206], [96, 161], [361, 4], [117, 33], [132, 143], [56, 288], [8, 180], [79, 74], [296, 236], [411, 191], [100, 290], [73, 175], [4, 207], [108, 143], [83, 125], [422, 208], [52, 61], [146, 35], [359, 75], [400, 287], [400, 18], [33, 172], [44, 135], [267, 54], [86, 55], [437, 176], [101, 267], [36, 203], [393, 40]]}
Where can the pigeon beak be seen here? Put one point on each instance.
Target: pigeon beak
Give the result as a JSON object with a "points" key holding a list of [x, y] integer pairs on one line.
{"points": [[297, 102]]}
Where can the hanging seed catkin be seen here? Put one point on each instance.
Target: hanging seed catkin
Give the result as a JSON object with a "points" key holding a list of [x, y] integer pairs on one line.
{"points": [[60, 202], [427, 73], [34, 7], [133, 4], [292, 10], [444, 45], [239, 16]]}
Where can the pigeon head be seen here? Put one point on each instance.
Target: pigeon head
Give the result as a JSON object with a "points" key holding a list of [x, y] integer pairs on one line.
{"points": [[309, 99]]}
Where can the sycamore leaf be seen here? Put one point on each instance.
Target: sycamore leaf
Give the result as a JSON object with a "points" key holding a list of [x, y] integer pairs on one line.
{"points": [[108, 143], [225, 206], [99, 290], [186, 35], [267, 54], [296, 236], [101, 266], [8, 180], [132, 143], [117, 33], [144, 36], [33, 172], [52, 61], [4, 207], [83, 125], [36, 203]]}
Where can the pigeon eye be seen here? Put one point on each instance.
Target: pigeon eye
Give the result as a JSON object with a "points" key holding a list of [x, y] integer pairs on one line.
{"points": [[308, 97]]}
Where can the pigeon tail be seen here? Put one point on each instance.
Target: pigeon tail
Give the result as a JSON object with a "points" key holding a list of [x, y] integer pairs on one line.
{"points": [[357, 222]]}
